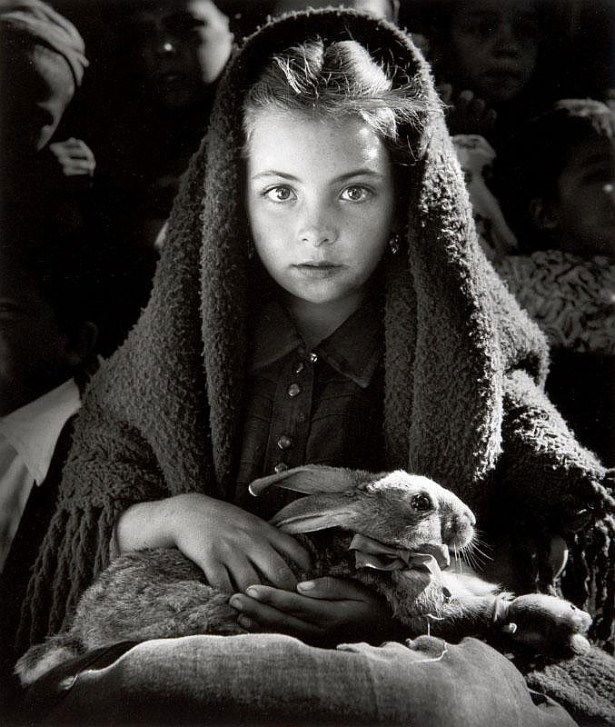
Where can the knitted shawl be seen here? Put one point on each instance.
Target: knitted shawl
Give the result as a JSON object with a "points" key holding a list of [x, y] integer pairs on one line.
{"points": [[464, 367]]}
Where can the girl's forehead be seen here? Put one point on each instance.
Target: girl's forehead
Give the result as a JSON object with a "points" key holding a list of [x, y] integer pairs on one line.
{"points": [[298, 140]]}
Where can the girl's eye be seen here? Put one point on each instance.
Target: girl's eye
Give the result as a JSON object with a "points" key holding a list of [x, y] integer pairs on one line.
{"points": [[280, 194], [355, 193]]}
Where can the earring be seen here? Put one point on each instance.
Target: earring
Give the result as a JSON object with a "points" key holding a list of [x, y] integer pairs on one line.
{"points": [[395, 244]]}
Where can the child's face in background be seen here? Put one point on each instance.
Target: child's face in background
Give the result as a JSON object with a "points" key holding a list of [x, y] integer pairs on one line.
{"points": [[583, 209], [34, 352], [320, 202], [494, 46], [37, 87], [182, 47]]}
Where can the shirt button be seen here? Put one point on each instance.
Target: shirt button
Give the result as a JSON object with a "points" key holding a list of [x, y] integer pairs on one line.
{"points": [[299, 367], [280, 467], [301, 417], [294, 390], [284, 442], [313, 357]]}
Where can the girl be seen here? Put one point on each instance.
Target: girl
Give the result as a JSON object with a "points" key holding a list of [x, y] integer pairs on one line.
{"points": [[320, 298]]}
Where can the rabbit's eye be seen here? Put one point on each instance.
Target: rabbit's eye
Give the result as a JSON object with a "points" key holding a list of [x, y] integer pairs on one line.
{"points": [[421, 502]]}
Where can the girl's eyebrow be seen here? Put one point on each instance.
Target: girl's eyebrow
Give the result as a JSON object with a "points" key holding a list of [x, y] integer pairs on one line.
{"points": [[363, 172], [274, 173]]}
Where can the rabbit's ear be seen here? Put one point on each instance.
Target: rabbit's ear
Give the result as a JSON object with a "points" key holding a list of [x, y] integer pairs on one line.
{"points": [[309, 480], [317, 512]]}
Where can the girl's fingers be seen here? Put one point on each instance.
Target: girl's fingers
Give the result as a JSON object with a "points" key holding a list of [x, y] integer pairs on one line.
{"points": [[275, 569], [268, 616], [333, 589], [288, 545], [242, 573], [217, 576], [288, 602]]}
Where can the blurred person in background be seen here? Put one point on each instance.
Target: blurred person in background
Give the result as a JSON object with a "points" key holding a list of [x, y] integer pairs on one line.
{"points": [[170, 55], [556, 182], [48, 349], [496, 62], [42, 63]]}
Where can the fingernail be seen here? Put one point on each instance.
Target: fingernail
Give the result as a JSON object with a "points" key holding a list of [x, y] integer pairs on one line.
{"points": [[306, 585], [253, 592], [235, 602]]}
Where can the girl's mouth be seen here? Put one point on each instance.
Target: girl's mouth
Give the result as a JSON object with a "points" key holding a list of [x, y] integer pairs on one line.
{"points": [[317, 269]]}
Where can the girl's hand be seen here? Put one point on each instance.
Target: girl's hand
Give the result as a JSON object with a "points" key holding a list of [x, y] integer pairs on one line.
{"points": [[324, 610], [234, 548]]}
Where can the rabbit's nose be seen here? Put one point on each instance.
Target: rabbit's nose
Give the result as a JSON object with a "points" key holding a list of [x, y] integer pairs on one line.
{"points": [[464, 522], [460, 531]]}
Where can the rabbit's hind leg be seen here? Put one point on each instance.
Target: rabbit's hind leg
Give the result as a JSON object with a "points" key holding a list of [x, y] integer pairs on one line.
{"points": [[180, 609], [213, 617]]}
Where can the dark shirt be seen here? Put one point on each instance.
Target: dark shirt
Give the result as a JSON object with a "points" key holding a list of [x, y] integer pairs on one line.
{"points": [[323, 406]]}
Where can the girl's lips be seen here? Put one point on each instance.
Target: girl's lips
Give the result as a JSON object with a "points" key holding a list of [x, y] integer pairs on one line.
{"points": [[317, 270]]}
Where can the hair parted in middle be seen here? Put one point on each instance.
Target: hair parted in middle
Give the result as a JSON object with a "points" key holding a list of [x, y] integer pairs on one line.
{"points": [[336, 80]]}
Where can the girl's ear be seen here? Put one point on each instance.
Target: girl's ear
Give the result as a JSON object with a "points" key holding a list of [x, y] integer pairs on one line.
{"points": [[309, 480], [543, 214], [317, 512]]}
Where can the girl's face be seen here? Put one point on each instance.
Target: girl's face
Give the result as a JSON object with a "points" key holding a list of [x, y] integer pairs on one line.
{"points": [[320, 202]]}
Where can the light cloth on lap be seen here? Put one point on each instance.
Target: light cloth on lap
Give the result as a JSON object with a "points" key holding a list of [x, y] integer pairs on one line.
{"points": [[269, 678]]}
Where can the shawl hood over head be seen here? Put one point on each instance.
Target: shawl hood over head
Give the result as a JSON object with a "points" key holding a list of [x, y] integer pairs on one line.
{"points": [[464, 367], [455, 334]]}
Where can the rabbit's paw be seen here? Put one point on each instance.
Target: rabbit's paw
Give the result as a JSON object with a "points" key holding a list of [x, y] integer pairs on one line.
{"points": [[546, 624]]}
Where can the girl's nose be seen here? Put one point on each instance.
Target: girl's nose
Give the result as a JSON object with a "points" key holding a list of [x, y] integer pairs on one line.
{"points": [[317, 231], [317, 236]]}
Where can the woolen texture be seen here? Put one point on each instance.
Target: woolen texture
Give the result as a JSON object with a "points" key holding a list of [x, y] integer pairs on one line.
{"points": [[464, 367]]}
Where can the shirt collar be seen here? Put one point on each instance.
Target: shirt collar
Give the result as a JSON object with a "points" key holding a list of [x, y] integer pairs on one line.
{"points": [[353, 349], [33, 430]]}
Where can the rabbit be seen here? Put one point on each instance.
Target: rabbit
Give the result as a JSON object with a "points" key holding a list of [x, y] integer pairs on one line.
{"points": [[391, 531]]}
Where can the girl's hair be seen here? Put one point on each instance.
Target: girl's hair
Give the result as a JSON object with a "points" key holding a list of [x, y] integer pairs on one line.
{"points": [[338, 80]]}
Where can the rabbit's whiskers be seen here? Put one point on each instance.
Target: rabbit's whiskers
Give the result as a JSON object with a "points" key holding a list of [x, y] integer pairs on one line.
{"points": [[478, 540]]}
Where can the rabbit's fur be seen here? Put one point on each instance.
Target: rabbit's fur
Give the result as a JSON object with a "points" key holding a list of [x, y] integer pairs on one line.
{"points": [[159, 593]]}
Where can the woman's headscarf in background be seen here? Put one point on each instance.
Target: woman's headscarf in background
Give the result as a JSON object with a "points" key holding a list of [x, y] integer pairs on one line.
{"points": [[45, 26]]}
